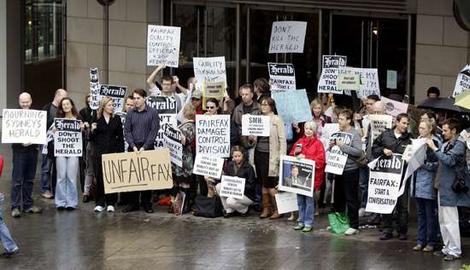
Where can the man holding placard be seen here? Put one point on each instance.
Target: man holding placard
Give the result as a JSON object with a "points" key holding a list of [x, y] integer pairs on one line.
{"points": [[247, 106]]}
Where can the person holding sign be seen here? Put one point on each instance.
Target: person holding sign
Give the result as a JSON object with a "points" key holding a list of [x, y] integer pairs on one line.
{"points": [[66, 194], [267, 156], [347, 184], [168, 85], [239, 167], [107, 137], [389, 142], [308, 147]]}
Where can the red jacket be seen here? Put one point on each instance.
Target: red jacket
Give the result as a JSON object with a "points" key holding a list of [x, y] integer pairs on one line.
{"points": [[313, 149]]}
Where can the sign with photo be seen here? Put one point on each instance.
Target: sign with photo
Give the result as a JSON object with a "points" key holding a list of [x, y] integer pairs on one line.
{"points": [[213, 135], [67, 138], [232, 187], [335, 158], [207, 165], [163, 45], [117, 93], [297, 175], [24, 126], [256, 125], [287, 37], [281, 76]]}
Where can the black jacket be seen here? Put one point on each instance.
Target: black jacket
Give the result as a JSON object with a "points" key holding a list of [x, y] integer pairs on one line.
{"points": [[108, 137], [388, 140], [246, 171]]}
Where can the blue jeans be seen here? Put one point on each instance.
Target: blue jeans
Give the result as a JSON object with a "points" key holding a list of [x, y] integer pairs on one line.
{"points": [[306, 209], [7, 241], [47, 183], [363, 186], [24, 170], [66, 194], [427, 221]]}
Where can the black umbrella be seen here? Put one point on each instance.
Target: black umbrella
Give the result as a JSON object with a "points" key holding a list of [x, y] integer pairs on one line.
{"points": [[444, 104]]}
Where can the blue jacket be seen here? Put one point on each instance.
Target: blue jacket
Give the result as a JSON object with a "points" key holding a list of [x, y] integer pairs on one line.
{"points": [[423, 185], [451, 159]]}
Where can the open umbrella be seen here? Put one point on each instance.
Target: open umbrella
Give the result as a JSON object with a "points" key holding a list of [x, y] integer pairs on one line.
{"points": [[463, 100], [444, 104]]}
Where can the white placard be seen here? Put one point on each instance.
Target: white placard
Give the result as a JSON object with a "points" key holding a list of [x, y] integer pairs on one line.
{"points": [[206, 165], [166, 108], [335, 158], [286, 202], [287, 37], [163, 45], [281, 76], [369, 83], [213, 135], [67, 138], [116, 93], [297, 175], [256, 125], [327, 82], [393, 107], [334, 61], [24, 126], [210, 69], [326, 132], [94, 89], [172, 141], [378, 124], [463, 81], [232, 187]]}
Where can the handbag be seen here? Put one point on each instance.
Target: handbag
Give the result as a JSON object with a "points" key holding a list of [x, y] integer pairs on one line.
{"points": [[339, 222], [209, 207]]}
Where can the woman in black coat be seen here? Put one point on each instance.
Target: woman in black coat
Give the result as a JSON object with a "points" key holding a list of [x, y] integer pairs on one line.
{"points": [[107, 137]]}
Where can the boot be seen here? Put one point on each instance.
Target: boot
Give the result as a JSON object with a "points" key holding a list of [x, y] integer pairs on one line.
{"points": [[266, 206], [275, 214]]}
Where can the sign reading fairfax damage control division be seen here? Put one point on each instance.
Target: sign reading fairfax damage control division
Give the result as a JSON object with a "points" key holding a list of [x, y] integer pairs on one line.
{"points": [[281, 76], [213, 135], [67, 138]]}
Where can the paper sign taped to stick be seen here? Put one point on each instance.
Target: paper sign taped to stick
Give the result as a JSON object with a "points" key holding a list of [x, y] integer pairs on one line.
{"points": [[393, 107], [286, 202], [67, 138], [463, 81], [131, 171], [281, 76], [94, 89], [116, 93], [24, 126], [209, 166], [213, 135], [334, 61], [163, 45], [209, 69], [232, 187], [287, 37], [256, 125], [292, 106]]}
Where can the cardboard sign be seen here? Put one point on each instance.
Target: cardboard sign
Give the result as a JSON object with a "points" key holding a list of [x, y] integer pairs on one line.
{"points": [[209, 69], [166, 108], [378, 124], [207, 165], [336, 159], [117, 93], [94, 89], [297, 175], [393, 107], [67, 138], [281, 76], [213, 135], [327, 82], [212, 90], [287, 37], [286, 202], [384, 184], [334, 61], [293, 106], [131, 171], [463, 81], [163, 45], [24, 126], [256, 125], [172, 141], [232, 187]]}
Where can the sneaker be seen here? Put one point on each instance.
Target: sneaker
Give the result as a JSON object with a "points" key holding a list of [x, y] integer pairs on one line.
{"points": [[307, 229], [351, 231], [33, 210], [99, 208], [299, 227], [418, 247], [386, 236], [16, 213], [362, 212], [110, 209], [47, 195], [9, 254], [428, 248], [451, 258]]}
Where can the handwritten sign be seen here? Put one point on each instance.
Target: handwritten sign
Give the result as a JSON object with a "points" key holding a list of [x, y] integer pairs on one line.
{"points": [[116, 93], [209, 69], [378, 124], [281, 76], [232, 187], [148, 170], [334, 61], [293, 106], [287, 37], [94, 89], [172, 141], [256, 125], [213, 135], [327, 82], [163, 45], [67, 138], [212, 90], [369, 83], [463, 81], [24, 126], [206, 165]]}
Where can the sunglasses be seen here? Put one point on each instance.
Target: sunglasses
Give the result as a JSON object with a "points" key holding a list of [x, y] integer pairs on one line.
{"points": [[210, 107]]}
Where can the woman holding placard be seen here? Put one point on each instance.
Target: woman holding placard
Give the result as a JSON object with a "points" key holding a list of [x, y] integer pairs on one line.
{"points": [[212, 108], [309, 147], [66, 195], [107, 137], [267, 156]]}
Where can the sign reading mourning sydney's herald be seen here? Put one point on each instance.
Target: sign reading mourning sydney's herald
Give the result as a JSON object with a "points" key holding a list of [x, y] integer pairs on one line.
{"points": [[163, 45], [281, 76], [24, 126], [287, 37], [67, 138], [117, 93]]}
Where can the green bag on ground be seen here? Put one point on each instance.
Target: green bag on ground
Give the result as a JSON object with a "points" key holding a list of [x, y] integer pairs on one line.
{"points": [[339, 222]]}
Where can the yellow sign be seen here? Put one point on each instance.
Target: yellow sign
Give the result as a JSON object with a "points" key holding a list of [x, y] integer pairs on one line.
{"points": [[212, 90]]}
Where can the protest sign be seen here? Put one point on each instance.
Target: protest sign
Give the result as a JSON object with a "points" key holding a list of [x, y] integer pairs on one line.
{"points": [[393, 107], [132, 171], [350, 82], [212, 90], [335, 158], [378, 124], [67, 138], [94, 89], [286, 202], [172, 141], [463, 81], [209, 69], [415, 157], [281, 76], [391, 79], [327, 82], [24, 126], [166, 108], [297, 175], [384, 184], [207, 165], [232, 187], [116, 93], [369, 83], [334, 61], [326, 132], [163, 45], [256, 125], [293, 106], [213, 135], [287, 37]]}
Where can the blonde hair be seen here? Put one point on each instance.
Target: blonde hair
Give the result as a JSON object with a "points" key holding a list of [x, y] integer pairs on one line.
{"points": [[103, 103], [315, 103], [189, 111], [312, 125], [431, 125]]}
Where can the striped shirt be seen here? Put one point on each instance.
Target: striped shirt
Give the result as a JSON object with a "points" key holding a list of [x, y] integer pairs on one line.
{"points": [[141, 127]]}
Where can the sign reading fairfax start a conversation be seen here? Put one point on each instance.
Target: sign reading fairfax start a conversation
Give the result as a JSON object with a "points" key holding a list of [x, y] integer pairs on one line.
{"points": [[213, 135], [163, 45], [132, 171], [281, 76], [336, 159], [117, 93], [24, 126], [209, 69], [287, 37], [166, 108], [67, 138], [256, 125]]}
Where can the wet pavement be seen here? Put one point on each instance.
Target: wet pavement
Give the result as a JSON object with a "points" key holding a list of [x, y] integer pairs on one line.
{"points": [[82, 239]]}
